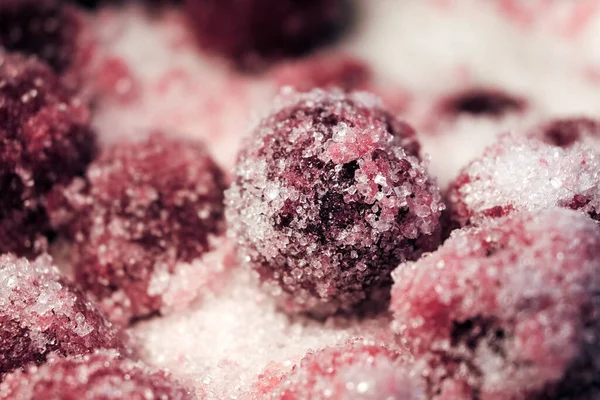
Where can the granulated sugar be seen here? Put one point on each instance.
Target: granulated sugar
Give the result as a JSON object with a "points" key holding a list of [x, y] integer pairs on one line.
{"points": [[518, 173], [223, 344]]}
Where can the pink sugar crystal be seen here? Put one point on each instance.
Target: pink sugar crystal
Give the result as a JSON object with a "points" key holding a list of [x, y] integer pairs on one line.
{"points": [[328, 197], [146, 213], [518, 173], [46, 140], [98, 376], [356, 370], [507, 310], [565, 132], [252, 32], [45, 28], [41, 313]]}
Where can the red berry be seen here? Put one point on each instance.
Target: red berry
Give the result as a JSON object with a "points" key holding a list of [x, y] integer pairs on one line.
{"points": [[328, 197], [254, 32], [144, 209], [46, 140], [45, 28], [41, 313], [508, 309], [351, 371], [568, 131], [99, 376], [518, 173], [481, 102]]}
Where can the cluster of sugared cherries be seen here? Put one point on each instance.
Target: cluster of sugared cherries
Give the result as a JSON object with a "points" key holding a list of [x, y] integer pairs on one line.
{"points": [[330, 203]]}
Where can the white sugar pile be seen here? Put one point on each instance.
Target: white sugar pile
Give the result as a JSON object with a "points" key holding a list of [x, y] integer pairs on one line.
{"points": [[223, 344]]}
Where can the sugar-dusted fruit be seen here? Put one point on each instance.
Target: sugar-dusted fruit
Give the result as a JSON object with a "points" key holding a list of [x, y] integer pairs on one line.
{"points": [[356, 370], [46, 140], [509, 309], [328, 197], [253, 32], [143, 214], [98, 376], [566, 132], [41, 313], [523, 173]]}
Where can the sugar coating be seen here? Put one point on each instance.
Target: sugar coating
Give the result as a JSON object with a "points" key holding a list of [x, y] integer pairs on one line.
{"points": [[358, 369], [328, 197], [45, 28], [252, 33], [565, 132], [520, 173], [46, 140], [506, 310], [101, 375], [41, 313], [236, 333], [142, 220]]}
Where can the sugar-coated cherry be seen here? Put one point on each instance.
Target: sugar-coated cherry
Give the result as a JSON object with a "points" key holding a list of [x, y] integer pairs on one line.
{"points": [[329, 195], [42, 313], [524, 173], [507, 309], [144, 210], [98, 376], [356, 370], [46, 140]]}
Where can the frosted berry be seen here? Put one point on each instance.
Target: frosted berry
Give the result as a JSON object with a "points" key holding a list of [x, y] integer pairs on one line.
{"points": [[45, 28], [98, 376], [507, 310], [254, 32], [144, 210], [328, 197], [46, 140], [519, 173], [566, 132], [41, 313], [356, 370], [481, 102]]}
